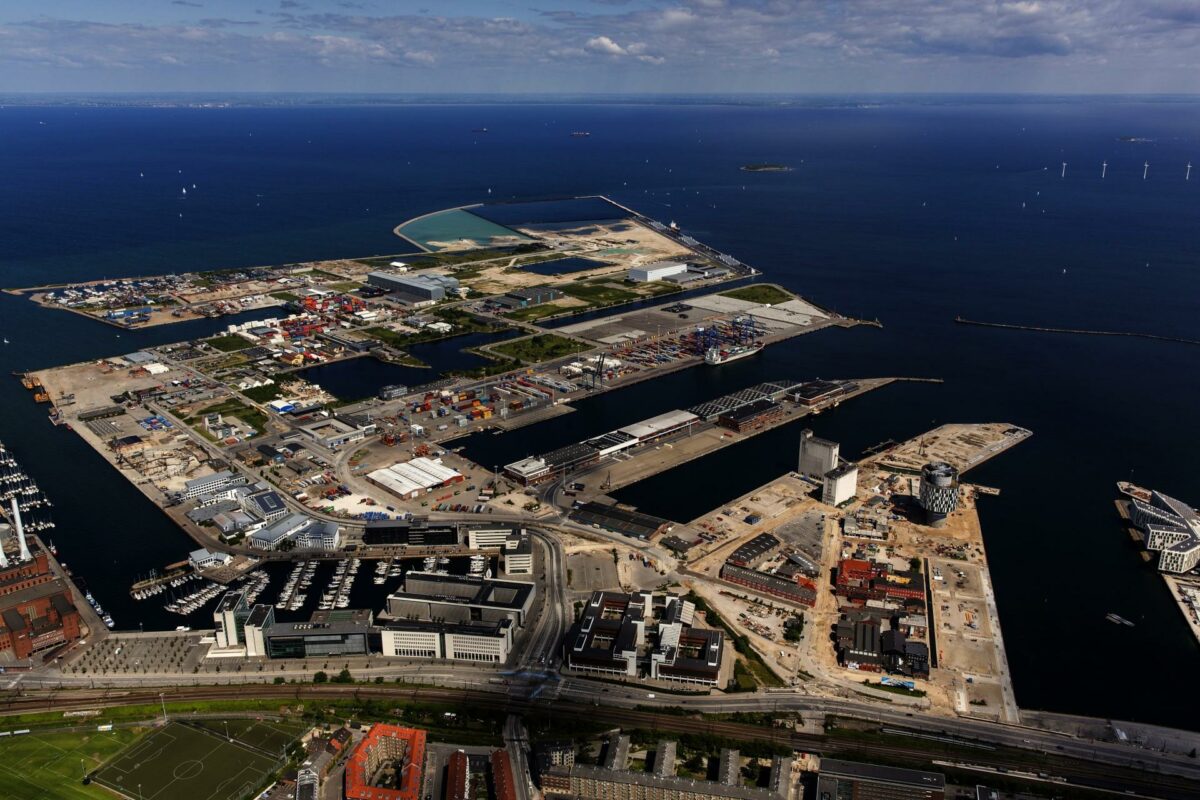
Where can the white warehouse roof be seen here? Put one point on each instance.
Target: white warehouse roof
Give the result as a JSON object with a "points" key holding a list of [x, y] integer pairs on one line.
{"points": [[655, 426]]}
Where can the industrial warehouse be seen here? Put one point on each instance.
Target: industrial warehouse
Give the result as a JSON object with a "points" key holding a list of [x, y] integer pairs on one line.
{"points": [[534, 470]]}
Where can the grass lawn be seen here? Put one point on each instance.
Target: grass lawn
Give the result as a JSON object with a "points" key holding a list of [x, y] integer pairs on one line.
{"points": [[542, 347], [345, 286], [179, 761], [47, 766], [532, 313], [760, 293], [229, 343], [599, 294], [233, 408], [286, 297]]}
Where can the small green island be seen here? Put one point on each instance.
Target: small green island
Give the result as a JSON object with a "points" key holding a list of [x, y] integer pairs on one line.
{"points": [[766, 168]]}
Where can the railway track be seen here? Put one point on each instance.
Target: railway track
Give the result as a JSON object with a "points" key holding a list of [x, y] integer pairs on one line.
{"points": [[1082, 773]]}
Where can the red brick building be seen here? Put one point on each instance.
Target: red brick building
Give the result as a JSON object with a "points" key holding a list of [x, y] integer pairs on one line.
{"points": [[37, 618], [36, 608]]}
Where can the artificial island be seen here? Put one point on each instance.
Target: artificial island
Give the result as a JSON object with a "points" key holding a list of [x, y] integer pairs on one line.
{"points": [[838, 623]]}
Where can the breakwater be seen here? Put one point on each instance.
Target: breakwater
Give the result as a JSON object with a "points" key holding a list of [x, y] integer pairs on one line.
{"points": [[1084, 331]]}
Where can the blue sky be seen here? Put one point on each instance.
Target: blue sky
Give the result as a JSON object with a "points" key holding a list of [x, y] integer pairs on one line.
{"points": [[601, 45]]}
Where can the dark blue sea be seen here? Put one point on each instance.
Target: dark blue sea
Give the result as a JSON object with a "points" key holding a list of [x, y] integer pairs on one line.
{"points": [[909, 211]]}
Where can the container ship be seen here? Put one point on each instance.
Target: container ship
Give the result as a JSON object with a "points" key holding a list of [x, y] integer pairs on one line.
{"points": [[715, 356]]}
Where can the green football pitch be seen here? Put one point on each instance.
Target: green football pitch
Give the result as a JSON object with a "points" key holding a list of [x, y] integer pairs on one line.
{"points": [[50, 766], [181, 762]]}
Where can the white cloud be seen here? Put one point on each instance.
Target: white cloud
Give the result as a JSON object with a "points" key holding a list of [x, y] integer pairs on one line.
{"points": [[604, 46]]}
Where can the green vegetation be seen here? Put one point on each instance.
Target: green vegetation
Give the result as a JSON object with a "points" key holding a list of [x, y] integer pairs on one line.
{"points": [[182, 761], [263, 394], [229, 343], [286, 297], [762, 673], [743, 678], [345, 286], [542, 347], [533, 313], [760, 293], [232, 407], [48, 765], [495, 366], [657, 288], [599, 294]]}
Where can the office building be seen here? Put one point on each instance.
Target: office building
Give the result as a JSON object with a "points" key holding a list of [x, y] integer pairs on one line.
{"points": [[327, 633], [841, 483], [424, 287], [417, 532], [388, 764], [839, 779], [208, 484], [939, 492], [657, 271], [643, 635], [518, 554], [817, 456], [335, 432], [481, 642], [1172, 529], [461, 599], [229, 620]]}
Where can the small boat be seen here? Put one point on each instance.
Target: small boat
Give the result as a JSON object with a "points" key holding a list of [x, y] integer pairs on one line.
{"points": [[1116, 619]]}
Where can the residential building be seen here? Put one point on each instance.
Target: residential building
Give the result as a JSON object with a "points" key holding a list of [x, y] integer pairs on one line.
{"points": [[400, 750], [840, 485]]}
